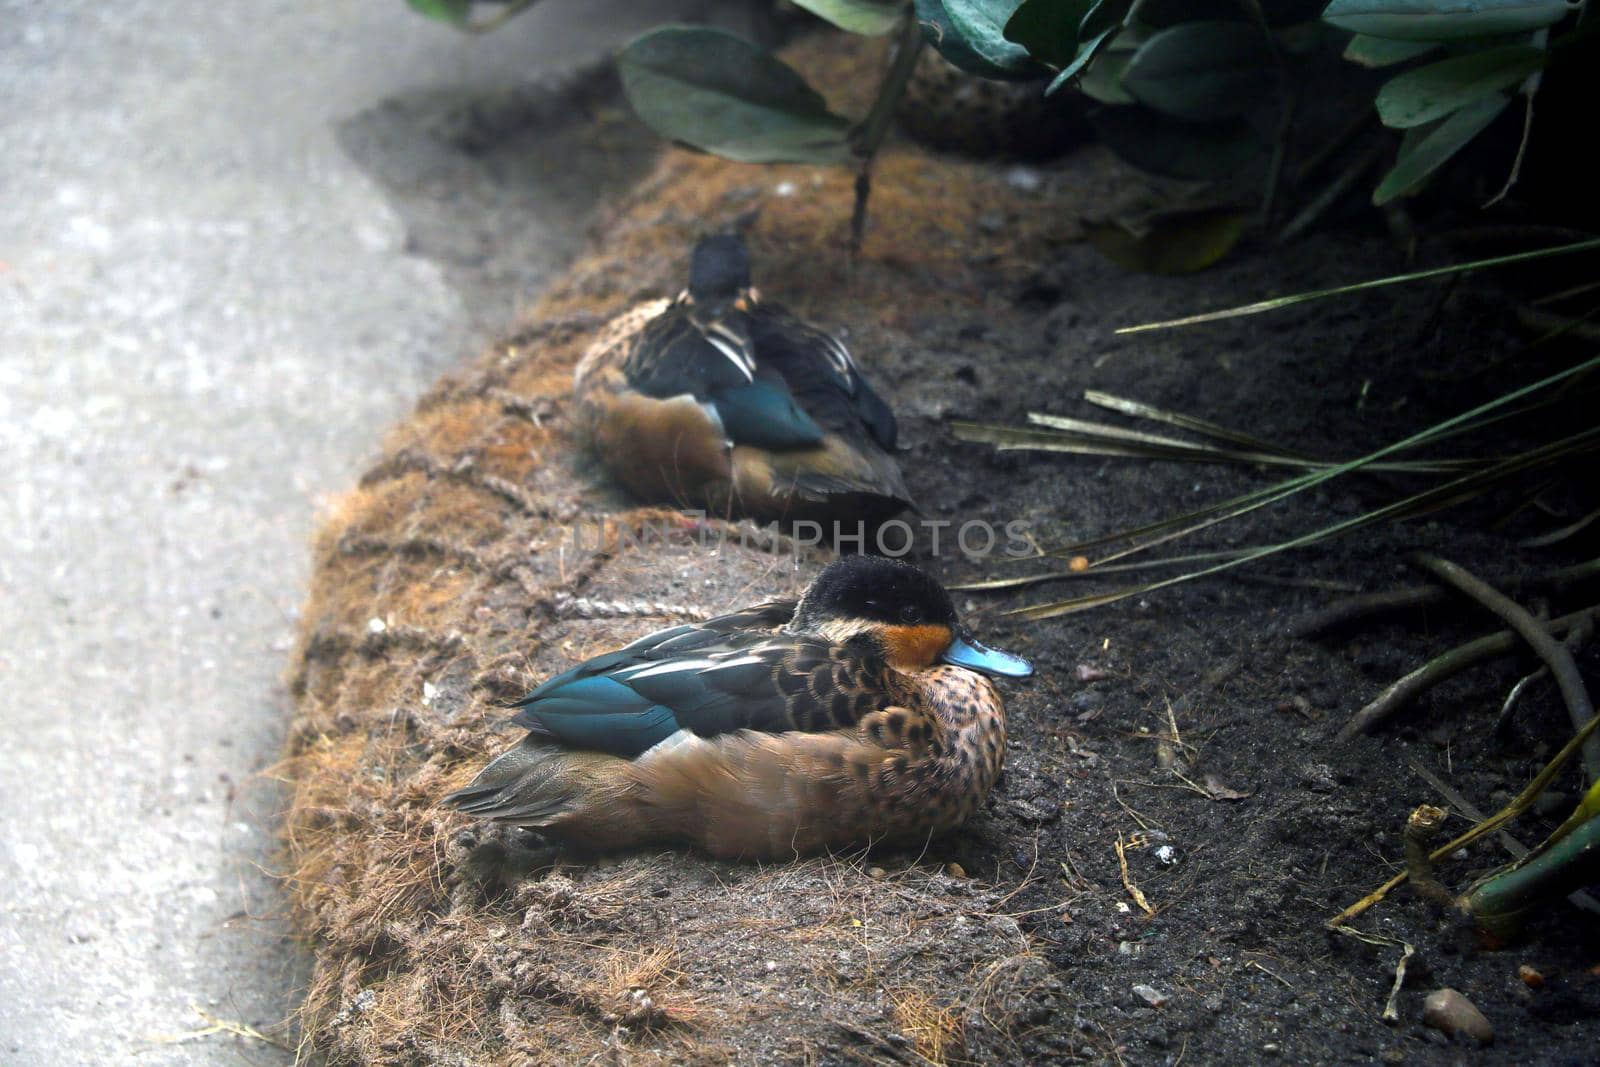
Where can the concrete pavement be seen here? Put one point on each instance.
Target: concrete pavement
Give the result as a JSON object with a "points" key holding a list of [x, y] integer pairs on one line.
{"points": [[208, 312]]}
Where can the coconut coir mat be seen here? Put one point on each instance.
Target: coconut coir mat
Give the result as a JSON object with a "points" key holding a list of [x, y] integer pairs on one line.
{"points": [[482, 553]]}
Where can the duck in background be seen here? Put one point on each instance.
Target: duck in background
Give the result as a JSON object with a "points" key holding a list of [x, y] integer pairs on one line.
{"points": [[719, 398], [859, 714]]}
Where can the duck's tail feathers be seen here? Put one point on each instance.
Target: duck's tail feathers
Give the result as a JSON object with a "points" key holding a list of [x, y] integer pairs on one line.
{"points": [[852, 469], [540, 785]]}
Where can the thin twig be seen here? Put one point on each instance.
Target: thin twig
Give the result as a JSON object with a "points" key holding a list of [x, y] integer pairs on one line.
{"points": [[1391, 1010], [1436, 670], [1556, 655], [1577, 637], [1331, 193], [1530, 89], [1127, 880]]}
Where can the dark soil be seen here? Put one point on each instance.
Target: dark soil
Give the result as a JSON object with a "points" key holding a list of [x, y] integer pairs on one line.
{"points": [[1018, 938]]}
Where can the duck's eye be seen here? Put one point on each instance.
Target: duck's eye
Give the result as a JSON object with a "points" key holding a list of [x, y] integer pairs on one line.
{"points": [[910, 613]]}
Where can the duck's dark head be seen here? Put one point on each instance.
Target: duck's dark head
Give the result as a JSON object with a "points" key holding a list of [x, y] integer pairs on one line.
{"points": [[719, 271], [907, 614]]}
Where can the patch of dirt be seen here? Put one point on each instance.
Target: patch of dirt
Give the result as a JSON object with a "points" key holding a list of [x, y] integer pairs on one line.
{"points": [[496, 187], [451, 579]]}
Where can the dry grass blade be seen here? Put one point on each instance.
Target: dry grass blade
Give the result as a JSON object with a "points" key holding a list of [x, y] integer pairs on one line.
{"points": [[1059, 433], [1260, 498], [1451, 492], [1023, 581], [1192, 423], [1376, 283]]}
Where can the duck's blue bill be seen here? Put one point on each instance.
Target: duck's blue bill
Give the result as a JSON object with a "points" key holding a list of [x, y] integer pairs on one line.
{"points": [[968, 653]]}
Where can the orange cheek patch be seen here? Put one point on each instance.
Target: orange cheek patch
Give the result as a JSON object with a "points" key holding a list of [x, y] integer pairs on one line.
{"points": [[915, 648]]}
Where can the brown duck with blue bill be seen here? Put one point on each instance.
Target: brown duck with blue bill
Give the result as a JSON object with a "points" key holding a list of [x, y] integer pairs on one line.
{"points": [[859, 714], [722, 399]]}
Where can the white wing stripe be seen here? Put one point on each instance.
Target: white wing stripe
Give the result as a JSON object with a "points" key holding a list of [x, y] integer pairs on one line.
{"points": [[731, 345], [650, 670]]}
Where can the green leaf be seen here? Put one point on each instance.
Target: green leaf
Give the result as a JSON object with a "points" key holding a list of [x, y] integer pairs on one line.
{"points": [[453, 12], [1103, 81], [1426, 149], [1420, 96], [871, 18], [1202, 70], [1375, 52], [971, 35], [1048, 29], [1176, 242], [1175, 148], [1099, 28], [722, 94], [1105, 15], [1087, 51], [1443, 20]]}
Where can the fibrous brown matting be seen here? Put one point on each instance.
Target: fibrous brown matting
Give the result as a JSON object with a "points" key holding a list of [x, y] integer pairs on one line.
{"points": [[460, 573]]}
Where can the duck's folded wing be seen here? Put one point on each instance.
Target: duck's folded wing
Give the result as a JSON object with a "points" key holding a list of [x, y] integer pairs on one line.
{"points": [[674, 355], [673, 641], [744, 682], [821, 374], [715, 363]]}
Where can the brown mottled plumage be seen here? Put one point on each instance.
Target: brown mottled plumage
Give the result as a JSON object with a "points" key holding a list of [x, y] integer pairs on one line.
{"points": [[719, 398], [841, 727]]}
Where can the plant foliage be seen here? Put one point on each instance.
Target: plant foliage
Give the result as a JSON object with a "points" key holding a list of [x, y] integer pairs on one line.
{"points": [[1191, 89]]}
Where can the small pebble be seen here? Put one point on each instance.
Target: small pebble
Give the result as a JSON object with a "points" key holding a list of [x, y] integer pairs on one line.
{"points": [[1530, 977], [955, 870], [1451, 1013], [1150, 995], [1024, 179]]}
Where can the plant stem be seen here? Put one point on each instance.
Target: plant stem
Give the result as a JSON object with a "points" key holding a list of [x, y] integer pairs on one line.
{"points": [[1359, 607], [1421, 828], [1556, 656], [1519, 804], [869, 135], [1436, 670]]}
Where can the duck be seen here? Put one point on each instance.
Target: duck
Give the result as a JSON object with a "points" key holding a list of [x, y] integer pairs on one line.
{"points": [[720, 398], [863, 712]]}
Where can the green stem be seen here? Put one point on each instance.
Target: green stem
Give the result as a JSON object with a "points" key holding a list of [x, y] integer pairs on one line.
{"points": [[1500, 903], [869, 135]]}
